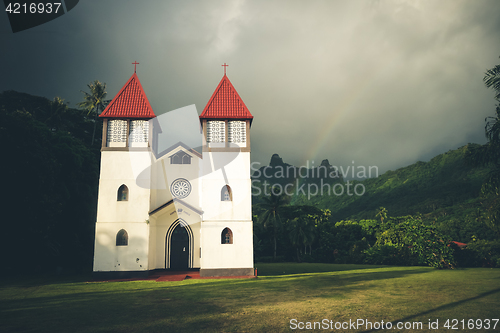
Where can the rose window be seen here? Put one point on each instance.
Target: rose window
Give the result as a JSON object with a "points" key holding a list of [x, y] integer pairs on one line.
{"points": [[180, 188]]}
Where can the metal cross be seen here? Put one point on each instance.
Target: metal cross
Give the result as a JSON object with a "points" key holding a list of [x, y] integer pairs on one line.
{"points": [[224, 68], [135, 63]]}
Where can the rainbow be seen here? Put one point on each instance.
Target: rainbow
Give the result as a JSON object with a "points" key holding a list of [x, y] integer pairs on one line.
{"points": [[346, 103]]}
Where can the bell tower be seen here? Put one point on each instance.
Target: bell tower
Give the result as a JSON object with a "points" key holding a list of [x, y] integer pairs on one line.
{"points": [[227, 227], [122, 229]]}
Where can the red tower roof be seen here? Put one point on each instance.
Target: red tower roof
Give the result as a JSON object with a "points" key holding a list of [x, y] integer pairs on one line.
{"points": [[130, 102], [225, 103]]}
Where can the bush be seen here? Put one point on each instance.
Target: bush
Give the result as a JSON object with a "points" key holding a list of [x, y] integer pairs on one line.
{"points": [[342, 243], [389, 255], [419, 243], [486, 253]]}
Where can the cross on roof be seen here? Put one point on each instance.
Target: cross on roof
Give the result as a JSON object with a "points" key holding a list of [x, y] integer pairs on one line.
{"points": [[224, 68], [135, 63]]}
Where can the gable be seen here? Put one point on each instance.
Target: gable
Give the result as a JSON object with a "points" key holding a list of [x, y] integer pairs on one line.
{"points": [[130, 102], [225, 103], [176, 203], [181, 147]]}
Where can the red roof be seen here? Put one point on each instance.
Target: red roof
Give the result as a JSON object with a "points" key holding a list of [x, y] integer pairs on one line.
{"points": [[130, 102], [225, 103], [459, 244]]}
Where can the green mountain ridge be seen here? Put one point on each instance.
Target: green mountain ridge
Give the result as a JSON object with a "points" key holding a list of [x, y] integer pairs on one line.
{"points": [[423, 187], [444, 190]]}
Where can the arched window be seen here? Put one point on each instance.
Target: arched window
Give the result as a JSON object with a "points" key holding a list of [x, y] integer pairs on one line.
{"points": [[226, 236], [123, 193], [176, 159], [122, 238], [180, 158], [225, 193], [186, 159]]}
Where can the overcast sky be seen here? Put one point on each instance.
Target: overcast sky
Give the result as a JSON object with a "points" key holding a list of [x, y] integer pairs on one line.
{"points": [[383, 83]]}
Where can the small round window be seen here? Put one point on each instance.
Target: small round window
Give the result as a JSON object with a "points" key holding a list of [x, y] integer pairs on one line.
{"points": [[180, 188]]}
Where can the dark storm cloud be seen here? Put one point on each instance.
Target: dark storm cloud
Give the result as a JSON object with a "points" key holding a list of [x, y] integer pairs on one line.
{"points": [[381, 83]]}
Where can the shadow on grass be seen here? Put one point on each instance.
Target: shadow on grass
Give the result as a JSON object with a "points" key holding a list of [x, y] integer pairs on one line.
{"points": [[114, 310], [266, 269], [340, 284], [179, 306], [442, 307]]}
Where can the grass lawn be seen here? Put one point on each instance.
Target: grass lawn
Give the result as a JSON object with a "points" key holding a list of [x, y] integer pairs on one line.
{"points": [[305, 292]]}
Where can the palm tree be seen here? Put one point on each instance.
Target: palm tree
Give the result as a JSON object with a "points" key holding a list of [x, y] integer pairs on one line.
{"points": [[492, 128], [312, 217], [491, 155], [302, 232], [492, 80], [56, 112], [94, 102], [302, 227], [298, 234], [382, 213], [273, 207]]}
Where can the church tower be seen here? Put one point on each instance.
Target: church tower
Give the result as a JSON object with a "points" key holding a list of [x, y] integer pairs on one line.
{"points": [[122, 229], [226, 228]]}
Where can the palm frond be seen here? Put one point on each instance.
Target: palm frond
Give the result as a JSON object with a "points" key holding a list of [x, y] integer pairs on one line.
{"points": [[492, 79], [95, 100]]}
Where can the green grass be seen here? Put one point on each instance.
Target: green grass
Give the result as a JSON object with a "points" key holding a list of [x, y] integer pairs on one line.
{"points": [[306, 292]]}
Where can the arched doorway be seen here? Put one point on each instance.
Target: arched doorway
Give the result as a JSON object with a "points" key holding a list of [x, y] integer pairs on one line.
{"points": [[178, 246]]}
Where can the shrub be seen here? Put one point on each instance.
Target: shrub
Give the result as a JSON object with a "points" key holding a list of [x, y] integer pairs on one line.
{"points": [[389, 255], [486, 253], [416, 243]]}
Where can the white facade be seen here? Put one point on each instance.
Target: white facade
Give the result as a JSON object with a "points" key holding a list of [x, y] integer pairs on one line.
{"points": [[183, 210]]}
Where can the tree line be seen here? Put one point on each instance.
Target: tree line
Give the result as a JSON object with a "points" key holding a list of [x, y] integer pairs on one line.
{"points": [[51, 173]]}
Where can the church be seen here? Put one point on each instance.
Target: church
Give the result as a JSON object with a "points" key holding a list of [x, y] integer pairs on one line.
{"points": [[176, 208]]}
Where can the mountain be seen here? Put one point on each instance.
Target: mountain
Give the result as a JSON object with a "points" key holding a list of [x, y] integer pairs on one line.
{"points": [[445, 190], [286, 178], [423, 187]]}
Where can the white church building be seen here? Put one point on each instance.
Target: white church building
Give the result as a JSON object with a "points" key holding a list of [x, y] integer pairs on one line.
{"points": [[179, 209]]}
